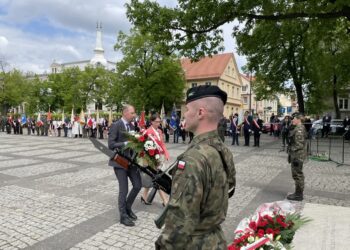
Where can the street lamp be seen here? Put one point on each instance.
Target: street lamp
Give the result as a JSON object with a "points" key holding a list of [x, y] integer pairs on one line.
{"points": [[250, 92]]}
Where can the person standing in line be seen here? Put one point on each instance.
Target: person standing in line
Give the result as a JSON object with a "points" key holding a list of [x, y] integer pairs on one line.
{"points": [[202, 178], [247, 119], [117, 139], [166, 129], [272, 121], [297, 154], [285, 130], [257, 125], [32, 121], [235, 129], [222, 126], [326, 126]]}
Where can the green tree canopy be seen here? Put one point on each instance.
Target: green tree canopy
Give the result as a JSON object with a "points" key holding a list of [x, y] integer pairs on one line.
{"points": [[149, 76], [13, 89], [193, 26]]}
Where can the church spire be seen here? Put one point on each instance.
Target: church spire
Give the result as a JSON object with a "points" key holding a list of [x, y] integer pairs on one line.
{"points": [[99, 57]]}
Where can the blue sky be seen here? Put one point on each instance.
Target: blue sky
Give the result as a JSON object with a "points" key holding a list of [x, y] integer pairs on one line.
{"points": [[33, 33]]}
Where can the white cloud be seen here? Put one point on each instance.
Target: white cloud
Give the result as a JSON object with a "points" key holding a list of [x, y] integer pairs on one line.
{"points": [[66, 31], [3, 44]]}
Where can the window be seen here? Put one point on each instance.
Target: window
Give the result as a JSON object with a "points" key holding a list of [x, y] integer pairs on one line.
{"points": [[245, 100], [233, 91], [207, 83], [194, 84], [343, 103], [244, 87]]}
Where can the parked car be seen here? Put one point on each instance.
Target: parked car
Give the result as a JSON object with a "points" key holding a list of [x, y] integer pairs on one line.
{"points": [[317, 127], [337, 126], [266, 128]]}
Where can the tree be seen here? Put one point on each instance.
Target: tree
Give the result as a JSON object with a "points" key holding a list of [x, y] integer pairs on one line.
{"points": [[149, 76], [276, 52], [328, 64], [13, 89], [193, 27]]}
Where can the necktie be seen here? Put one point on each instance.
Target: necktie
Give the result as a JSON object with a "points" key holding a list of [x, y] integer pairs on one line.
{"points": [[128, 127]]}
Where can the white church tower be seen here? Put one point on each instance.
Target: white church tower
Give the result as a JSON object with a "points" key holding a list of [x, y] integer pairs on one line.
{"points": [[99, 53]]}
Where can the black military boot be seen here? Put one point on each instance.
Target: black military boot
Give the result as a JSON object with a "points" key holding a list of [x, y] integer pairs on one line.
{"points": [[125, 220], [297, 195]]}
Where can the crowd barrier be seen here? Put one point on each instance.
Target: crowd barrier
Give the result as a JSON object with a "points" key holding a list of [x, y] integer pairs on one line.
{"points": [[335, 148]]}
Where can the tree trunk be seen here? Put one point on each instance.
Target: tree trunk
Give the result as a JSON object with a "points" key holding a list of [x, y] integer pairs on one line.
{"points": [[335, 97], [299, 91]]}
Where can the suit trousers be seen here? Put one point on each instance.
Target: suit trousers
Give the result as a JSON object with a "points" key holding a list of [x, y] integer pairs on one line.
{"points": [[125, 201], [246, 137]]}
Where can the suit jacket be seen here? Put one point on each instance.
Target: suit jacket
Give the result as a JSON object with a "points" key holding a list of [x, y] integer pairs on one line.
{"points": [[117, 138], [255, 128]]}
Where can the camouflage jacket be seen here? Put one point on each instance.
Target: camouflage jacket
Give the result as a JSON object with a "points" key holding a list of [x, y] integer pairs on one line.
{"points": [[298, 143], [199, 196]]}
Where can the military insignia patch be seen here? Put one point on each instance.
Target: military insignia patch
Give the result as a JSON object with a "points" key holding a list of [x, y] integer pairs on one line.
{"points": [[181, 165]]}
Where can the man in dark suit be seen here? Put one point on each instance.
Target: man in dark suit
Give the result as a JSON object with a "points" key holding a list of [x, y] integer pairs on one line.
{"points": [[257, 125], [117, 139], [247, 123]]}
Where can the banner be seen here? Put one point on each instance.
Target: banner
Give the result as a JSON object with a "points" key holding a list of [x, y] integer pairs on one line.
{"points": [[173, 118]]}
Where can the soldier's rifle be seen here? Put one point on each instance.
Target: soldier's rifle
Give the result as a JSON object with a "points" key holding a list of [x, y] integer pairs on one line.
{"points": [[159, 178]]}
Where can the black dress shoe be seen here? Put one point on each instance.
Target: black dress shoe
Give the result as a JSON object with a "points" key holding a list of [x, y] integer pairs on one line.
{"points": [[125, 220], [131, 215]]}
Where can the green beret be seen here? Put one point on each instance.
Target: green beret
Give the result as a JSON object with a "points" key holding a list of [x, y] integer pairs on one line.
{"points": [[203, 91]]}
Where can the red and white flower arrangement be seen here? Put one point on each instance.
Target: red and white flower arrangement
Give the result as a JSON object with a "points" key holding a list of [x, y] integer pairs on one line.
{"points": [[271, 227], [145, 146]]}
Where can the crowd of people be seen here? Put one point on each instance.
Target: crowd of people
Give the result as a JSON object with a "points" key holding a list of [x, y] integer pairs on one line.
{"points": [[45, 126]]}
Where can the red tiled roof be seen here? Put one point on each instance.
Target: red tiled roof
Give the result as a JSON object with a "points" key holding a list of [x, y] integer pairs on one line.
{"points": [[207, 67]]}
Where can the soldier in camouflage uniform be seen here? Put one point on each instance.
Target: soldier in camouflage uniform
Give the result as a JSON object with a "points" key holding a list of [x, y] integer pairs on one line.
{"points": [[297, 153], [204, 174]]}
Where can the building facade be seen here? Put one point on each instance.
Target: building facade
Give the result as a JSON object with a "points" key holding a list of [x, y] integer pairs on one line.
{"points": [[263, 108], [219, 70]]}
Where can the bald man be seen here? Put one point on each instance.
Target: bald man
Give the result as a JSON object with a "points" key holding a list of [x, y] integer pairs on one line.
{"points": [[201, 180]]}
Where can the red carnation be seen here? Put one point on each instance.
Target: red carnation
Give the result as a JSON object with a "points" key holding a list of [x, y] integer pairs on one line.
{"points": [[252, 225], [262, 223], [142, 138], [281, 222], [269, 231], [151, 152], [261, 233]]}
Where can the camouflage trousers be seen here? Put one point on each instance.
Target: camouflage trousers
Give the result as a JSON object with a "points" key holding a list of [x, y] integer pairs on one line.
{"points": [[214, 240], [297, 173]]}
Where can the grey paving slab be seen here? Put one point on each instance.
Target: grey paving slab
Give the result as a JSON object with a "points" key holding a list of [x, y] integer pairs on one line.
{"points": [[17, 162], [77, 177], [329, 228], [94, 158], [29, 216], [38, 169], [37, 152], [65, 155], [5, 158]]}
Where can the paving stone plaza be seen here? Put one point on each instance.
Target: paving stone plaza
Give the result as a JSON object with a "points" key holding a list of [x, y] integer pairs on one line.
{"points": [[59, 193]]}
